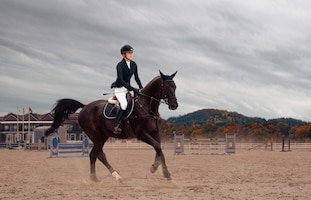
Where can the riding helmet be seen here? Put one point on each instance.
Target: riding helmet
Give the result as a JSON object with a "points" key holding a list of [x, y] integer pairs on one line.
{"points": [[126, 48]]}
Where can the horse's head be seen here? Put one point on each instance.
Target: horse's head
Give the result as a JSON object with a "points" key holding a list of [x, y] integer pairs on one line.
{"points": [[168, 91]]}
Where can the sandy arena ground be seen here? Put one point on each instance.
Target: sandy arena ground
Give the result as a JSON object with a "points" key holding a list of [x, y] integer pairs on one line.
{"points": [[254, 174]]}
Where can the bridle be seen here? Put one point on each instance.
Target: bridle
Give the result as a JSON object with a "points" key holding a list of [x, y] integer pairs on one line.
{"points": [[167, 98], [163, 98]]}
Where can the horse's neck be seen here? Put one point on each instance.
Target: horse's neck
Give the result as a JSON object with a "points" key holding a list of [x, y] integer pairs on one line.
{"points": [[153, 88], [152, 95]]}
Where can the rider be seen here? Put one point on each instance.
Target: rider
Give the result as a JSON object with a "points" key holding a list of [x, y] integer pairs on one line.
{"points": [[125, 70]]}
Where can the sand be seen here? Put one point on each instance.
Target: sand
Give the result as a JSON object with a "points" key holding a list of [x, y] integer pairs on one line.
{"points": [[254, 174]]}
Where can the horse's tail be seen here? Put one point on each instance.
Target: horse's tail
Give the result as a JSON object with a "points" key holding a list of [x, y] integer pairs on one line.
{"points": [[61, 110]]}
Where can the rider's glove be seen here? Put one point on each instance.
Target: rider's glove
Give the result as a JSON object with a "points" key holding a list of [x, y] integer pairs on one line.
{"points": [[136, 90]]}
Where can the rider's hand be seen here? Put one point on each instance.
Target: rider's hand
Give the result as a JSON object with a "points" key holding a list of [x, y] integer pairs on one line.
{"points": [[132, 93], [136, 90]]}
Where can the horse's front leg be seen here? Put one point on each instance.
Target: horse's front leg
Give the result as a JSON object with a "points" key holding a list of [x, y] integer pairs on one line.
{"points": [[156, 164], [166, 173], [159, 159]]}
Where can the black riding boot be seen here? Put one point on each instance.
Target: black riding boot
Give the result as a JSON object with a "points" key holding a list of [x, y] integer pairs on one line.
{"points": [[117, 129]]}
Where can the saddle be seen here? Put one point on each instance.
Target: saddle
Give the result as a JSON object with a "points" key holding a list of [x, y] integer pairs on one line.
{"points": [[111, 108]]}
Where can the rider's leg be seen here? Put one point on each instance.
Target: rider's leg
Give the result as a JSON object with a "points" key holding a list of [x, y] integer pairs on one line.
{"points": [[121, 96], [117, 123]]}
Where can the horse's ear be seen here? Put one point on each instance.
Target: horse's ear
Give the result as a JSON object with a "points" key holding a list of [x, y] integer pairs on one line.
{"points": [[173, 75], [165, 77], [162, 75]]}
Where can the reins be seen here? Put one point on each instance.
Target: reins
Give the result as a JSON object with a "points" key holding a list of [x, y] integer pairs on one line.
{"points": [[152, 98]]}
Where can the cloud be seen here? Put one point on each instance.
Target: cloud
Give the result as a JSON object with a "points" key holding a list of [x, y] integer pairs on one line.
{"points": [[243, 56]]}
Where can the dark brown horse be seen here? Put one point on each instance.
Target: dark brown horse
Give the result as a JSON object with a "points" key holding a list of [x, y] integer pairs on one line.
{"points": [[144, 122]]}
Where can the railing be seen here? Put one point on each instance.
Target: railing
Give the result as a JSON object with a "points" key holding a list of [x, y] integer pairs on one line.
{"points": [[170, 145], [275, 146]]}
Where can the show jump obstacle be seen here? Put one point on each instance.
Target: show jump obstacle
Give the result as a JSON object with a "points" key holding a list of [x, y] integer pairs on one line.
{"points": [[204, 145], [179, 144], [67, 150]]}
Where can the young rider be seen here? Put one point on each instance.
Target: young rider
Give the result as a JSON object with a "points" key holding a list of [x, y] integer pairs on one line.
{"points": [[125, 70]]}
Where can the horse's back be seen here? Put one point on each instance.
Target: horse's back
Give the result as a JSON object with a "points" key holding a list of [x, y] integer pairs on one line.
{"points": [[94, 123], [91, 113]]}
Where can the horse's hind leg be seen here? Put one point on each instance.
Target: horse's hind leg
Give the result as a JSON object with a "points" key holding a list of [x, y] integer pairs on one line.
{"points": [[103, 159], [93, 157], [98, 153]]}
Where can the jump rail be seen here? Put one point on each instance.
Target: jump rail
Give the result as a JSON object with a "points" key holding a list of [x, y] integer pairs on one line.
{"points": [[67, 150]]}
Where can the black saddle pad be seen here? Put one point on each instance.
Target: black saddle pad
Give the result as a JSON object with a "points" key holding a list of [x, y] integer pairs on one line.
{"points": [[110, 110]]}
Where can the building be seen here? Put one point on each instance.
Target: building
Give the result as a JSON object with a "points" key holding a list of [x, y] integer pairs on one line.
{"points": [[15, 128]]}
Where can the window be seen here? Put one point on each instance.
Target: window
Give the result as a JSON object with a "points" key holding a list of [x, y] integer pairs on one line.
{"points": [[68, 127], [32, 127], [9, 138], [18, 137], [12, 127], [81, 137], [29, 138], [72, 136]]}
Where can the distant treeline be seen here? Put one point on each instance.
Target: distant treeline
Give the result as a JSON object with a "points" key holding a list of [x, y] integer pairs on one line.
{"points": [[208, 123]]}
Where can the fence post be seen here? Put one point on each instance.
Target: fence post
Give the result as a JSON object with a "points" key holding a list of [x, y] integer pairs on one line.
{"points": [[179, 144], [54, 145], [230, 144], [284, 142], [85, 145]]}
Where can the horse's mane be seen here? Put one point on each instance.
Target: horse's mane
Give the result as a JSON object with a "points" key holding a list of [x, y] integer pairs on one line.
{"points": [[151, 83]]}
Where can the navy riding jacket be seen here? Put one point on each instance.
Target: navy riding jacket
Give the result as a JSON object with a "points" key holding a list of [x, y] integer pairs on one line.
{"points": [[125, 74]]}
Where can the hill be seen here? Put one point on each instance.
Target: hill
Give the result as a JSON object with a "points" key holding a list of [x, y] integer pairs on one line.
{"points": [[215, 123], [224, 118]]}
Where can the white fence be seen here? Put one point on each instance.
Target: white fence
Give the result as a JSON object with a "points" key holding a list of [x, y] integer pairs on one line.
{"points": [[127, 144], [239, 145], [275, 146]]}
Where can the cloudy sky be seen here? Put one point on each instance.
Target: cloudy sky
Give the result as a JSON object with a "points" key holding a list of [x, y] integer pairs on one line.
{"points": [[251, 57]]}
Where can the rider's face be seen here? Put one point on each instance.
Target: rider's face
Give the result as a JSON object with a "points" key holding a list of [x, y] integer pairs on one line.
{"points": [[128, 55]]}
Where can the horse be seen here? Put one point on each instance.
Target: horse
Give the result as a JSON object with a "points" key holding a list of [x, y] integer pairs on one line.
{"points": [[143, 124]]}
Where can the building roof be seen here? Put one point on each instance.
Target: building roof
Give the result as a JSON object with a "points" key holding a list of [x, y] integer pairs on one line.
{"points": [[35, 118]]}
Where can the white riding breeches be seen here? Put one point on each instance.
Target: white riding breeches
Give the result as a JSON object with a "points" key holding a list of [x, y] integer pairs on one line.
{"points": [[120, 93]]}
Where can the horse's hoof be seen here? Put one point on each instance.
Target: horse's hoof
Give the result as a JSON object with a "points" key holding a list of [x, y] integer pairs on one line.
{"points": [[167, 175], [117, 176], [152, 169], [94, 178]]}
